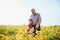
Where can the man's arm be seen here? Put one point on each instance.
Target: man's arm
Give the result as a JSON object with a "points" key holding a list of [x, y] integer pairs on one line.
{"points": [[38, 21]]}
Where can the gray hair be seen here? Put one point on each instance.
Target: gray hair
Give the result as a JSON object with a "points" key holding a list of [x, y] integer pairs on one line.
{"points": [[32, 9]]}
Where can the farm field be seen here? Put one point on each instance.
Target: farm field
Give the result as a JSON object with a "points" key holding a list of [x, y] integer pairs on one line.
{"points": [[8, 32]]}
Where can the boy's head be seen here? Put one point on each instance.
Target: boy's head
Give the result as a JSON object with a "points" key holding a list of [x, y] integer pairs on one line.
{"points": [[30, 21]]}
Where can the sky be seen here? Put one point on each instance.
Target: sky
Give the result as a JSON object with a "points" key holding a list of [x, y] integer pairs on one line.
{"points": [[17, 12]]}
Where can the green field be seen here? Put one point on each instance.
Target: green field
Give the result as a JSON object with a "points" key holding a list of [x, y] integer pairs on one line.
{"points": [[8, 32]]}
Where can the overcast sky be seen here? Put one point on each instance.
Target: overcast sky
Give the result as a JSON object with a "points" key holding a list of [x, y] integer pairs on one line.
{"points": [[17, 12]]}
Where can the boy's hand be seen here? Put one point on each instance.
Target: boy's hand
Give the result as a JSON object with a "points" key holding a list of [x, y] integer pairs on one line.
{"points": [[37, 26]]}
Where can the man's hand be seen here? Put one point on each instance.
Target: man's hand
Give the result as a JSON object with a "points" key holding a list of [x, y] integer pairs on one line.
{"points": [[37, 26], [38, 22]]}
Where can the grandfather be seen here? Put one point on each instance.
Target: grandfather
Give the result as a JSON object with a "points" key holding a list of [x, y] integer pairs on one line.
{"points": [[36, 18]]}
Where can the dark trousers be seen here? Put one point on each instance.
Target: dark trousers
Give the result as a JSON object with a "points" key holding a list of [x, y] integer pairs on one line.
{"points": [[38, 29]]}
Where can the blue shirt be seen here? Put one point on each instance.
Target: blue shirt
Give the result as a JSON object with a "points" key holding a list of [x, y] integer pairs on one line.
{"points": [[35, 18]]}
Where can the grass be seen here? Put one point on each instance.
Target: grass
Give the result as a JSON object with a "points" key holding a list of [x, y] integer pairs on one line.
{"points": [[8, 32]]}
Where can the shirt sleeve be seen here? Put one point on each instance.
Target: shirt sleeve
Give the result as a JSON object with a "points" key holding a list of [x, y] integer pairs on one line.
{"points": [[39, 16]]}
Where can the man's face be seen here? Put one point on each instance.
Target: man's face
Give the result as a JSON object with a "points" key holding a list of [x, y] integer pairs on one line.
{"points": [[33, 12]]}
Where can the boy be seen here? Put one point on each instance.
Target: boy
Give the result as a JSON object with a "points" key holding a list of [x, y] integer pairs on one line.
{"points": [[29, 25]]}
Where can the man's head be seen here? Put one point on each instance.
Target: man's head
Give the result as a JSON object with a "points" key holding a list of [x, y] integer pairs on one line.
{"points": [[33, 11]]}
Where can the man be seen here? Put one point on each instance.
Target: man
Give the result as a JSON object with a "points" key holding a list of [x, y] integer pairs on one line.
{"points": [[36, 18]]}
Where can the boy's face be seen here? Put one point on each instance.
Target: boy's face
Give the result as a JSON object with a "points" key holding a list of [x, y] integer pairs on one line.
{"points": [[30, 22]]}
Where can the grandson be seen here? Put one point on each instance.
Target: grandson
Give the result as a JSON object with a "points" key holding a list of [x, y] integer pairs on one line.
{"points": [[29, 25]]}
